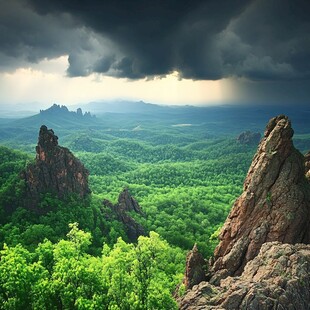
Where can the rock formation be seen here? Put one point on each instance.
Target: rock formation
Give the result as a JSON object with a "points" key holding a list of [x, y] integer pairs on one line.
{"points": [[248, 137], [277, 278], [262, 260], [126, 203], [274, 205], [195, 268], [56, 170]]}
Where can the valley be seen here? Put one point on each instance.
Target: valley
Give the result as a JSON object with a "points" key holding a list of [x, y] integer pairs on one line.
{"points": [[184, 178]]}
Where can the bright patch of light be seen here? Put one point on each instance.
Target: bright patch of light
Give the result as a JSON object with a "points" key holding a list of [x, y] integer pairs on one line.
{"points": [[47, 83]]}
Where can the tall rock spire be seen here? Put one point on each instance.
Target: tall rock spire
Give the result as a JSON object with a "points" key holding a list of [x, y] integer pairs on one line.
{"points": [[260, 262], [274, 205], [56, 170]]}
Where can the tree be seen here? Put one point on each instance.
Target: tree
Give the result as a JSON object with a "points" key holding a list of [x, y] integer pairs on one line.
{"points": [[18, 278]]}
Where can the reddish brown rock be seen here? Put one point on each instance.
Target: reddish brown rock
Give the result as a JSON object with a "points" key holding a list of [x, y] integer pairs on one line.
{"points": [[274, 205], [126, 203], [249, 271], [277, 278], [195, 268], [56, 170]]}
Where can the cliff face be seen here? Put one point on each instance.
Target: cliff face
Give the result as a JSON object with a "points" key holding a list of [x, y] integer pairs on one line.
{"points": [[55, 170], [126, 203], [262, 260], [274, 205]]}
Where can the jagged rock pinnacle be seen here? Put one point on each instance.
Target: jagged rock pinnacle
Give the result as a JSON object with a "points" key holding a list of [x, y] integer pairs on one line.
{"points": [[274, 206], [260, 262], [56, 170], [195, 268], [127, 203]]}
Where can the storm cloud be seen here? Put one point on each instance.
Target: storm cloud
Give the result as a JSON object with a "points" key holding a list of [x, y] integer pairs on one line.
{"points": [[260, 40]]}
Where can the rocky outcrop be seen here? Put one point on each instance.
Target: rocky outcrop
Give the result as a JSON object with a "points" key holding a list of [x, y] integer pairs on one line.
{"points": [[195, 271], [126, 203], [263, 258], [274, 205], [56, 170], [277, 278], [248, 137]]}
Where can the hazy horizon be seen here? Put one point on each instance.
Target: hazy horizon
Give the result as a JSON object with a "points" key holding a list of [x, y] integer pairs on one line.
{"points": [[203, 53]]}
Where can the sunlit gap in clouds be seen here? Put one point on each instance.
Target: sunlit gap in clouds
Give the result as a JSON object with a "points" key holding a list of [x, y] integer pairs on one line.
{"points": [[47, 82]]}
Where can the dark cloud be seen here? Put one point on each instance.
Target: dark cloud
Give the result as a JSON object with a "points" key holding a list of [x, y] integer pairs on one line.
{"points": [[202, 39], [276, 41]]}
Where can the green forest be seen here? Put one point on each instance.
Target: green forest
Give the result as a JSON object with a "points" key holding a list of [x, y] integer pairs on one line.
{"points": [[74, 253]]}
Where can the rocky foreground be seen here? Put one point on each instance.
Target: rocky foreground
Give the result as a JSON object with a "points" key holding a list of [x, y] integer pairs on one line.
{"points": [[263, 260], [277, 278]]}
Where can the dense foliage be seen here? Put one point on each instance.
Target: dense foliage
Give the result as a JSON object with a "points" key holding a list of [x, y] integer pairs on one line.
{"points": [[63, 275], [186, 197], [185, 183]]}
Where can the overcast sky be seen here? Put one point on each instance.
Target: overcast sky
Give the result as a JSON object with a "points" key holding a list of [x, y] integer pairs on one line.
{"points": [[160, 51]]}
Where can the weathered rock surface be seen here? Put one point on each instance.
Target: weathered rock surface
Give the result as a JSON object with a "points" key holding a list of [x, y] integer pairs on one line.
{"points": [[277, 278], [263, 258], [126, 203], [56, 170], [274, 206], [248, 137], [195, 268]]}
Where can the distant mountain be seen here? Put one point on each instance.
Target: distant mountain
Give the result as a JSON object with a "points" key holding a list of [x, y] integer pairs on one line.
{"points": [[56, 109], [123, 106], [57, 116], [244, 116], [113, 117], [23, 131]]}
